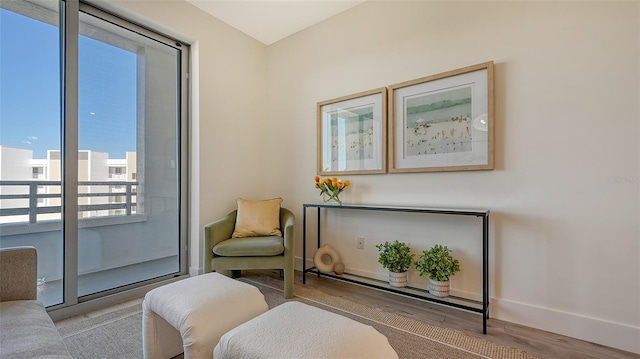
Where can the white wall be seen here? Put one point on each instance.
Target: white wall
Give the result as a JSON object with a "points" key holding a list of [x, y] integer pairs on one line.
{"points": [[565, 192], [15, 165]]}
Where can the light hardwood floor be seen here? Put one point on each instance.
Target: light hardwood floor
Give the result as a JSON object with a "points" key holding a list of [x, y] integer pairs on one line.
{"points": [[538, 342]]}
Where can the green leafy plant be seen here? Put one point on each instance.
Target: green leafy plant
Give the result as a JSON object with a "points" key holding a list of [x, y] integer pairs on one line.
{"points": [[437, 263], [396, 256]]}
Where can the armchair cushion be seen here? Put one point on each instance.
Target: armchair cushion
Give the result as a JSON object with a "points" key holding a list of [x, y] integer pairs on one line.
{"points": [[257, 218], [250, 247]]}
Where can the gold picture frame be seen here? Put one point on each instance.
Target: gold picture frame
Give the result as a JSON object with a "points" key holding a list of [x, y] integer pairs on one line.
{"points": [[352, 134], [443, 122]]}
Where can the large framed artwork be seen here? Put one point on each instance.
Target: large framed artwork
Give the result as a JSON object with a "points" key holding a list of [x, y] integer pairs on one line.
{"points": [[352, 134], [443, 122]]}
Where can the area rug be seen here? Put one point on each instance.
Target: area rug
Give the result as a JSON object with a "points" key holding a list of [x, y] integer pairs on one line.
{"points": [[118, 334], [409, 337]]}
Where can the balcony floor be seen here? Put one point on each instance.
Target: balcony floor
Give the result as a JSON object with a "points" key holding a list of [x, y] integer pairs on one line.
{"points": [[50, 293]]}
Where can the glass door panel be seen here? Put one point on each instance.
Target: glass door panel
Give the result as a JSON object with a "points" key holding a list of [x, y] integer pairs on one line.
{"points": [[30, 129], [128, 163]]}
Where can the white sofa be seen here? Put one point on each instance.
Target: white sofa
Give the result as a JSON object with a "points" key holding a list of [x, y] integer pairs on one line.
{"points": [[26, 330]]}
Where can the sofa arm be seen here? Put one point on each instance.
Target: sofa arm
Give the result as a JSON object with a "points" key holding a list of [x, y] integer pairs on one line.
{"points": [[215, 233], [18, 273]]}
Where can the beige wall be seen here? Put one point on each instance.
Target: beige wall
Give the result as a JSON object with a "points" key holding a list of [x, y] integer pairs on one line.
{"points": [[564, 194]]}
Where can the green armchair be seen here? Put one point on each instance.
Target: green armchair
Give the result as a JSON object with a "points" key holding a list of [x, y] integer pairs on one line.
{"points": [[223, 253]]}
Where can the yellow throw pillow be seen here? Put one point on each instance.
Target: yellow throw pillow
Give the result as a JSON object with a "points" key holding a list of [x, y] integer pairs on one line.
{"points": [[258, 218]]}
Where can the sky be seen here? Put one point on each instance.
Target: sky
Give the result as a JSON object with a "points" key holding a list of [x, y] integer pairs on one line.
{"points": [[30, 90]]}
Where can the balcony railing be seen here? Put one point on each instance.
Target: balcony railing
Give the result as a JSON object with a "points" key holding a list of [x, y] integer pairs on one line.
{"points": [[10, 190]]}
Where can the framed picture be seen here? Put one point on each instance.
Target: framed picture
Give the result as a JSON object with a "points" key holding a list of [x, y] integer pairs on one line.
{"points": [[352, 134], [443, 122]]}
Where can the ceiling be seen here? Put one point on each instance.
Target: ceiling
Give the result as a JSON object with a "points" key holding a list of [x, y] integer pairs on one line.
{"points": [[271, 20]]}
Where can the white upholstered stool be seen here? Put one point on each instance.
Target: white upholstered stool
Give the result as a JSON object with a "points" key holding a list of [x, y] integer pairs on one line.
{"points": [[296, 330], [191, 315]]}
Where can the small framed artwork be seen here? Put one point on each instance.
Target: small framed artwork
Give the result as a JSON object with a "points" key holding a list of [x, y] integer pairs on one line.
{"points": [[443, 122], [352, 134]]}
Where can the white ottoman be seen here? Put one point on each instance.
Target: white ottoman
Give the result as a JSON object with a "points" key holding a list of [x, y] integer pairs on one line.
{"points": [[191, 315], [296, 330]]}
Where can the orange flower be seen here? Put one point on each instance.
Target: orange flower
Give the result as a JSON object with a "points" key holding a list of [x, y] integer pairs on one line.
{"points": [[331, 187]]}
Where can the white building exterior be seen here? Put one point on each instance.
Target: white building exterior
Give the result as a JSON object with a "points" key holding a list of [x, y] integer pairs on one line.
{"points": [[17, 164]]}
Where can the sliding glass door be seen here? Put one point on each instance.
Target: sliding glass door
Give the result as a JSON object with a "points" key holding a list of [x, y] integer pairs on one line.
{"points": [[30, 132], [128, 159], [111, 192]]}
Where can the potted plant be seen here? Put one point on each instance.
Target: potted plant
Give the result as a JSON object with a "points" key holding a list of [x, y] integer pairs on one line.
{"points": [[396, 257], [438, 264]]}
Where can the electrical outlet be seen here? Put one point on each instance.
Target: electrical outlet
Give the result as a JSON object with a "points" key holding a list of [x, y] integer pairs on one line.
{"points": [[360, 243]]}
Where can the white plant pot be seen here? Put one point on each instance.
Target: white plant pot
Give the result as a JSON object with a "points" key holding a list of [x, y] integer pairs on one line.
{"points": [[398, 280], [439, 289]]}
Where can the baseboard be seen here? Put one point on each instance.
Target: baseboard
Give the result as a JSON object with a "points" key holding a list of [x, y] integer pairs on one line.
{"points": [[194, 271], [604, 332], [298, 266]]}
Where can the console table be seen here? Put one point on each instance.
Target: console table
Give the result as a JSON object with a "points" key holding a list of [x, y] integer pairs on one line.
{"points": [[452, 301]]}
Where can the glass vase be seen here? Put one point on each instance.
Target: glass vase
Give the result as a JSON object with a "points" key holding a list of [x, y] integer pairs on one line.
{"points": [[331, 199]]}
